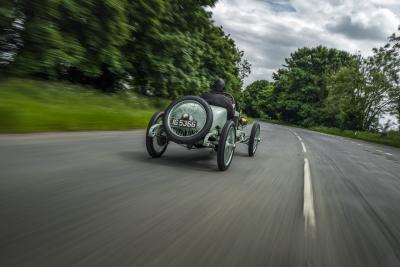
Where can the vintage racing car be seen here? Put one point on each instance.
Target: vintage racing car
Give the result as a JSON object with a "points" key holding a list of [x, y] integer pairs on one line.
{"points": [[190, 121]]}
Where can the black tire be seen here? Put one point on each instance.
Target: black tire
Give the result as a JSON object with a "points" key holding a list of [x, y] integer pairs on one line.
{"points": [[253, 143], [223, 161], [198, 136], [155, 152]]}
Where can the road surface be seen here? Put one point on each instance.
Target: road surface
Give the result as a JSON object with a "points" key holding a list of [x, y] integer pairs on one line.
{"points": [[97, 199]]}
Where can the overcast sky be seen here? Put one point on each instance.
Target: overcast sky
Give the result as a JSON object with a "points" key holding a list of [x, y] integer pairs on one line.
{"points": [[269, 30]]}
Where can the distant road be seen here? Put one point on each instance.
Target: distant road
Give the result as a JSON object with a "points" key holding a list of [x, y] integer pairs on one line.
{"points": [[97, 199]]}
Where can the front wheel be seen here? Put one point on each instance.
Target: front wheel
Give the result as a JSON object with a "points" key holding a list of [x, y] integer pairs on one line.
{"points": [[226, 146], [156, 141], [254, 139]]}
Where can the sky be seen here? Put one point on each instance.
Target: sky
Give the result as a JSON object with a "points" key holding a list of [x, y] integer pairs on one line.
{"points": [[269, 30]]}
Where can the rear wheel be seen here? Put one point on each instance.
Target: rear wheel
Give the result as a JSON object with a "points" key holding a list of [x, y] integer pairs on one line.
{"points": [[156, 142], [226, 146], [254, 139]]}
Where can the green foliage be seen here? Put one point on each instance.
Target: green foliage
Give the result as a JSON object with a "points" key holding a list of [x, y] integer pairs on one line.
{"points": [[9, 41], [321, 86], [176, 50], [259, 99], [301, 86], [387, 61], [363, 91], [162, 48], [77, 40], [344, 103], [35, 106]]}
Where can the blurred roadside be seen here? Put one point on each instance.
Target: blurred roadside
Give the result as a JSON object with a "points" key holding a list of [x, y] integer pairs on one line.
{"points": [[28, 105]]}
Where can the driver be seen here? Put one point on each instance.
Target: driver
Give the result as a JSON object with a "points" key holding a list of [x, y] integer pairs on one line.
{"points": [[216, 98]]}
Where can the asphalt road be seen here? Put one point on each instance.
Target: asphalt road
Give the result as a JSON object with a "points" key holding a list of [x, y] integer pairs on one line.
{"points": [[97, 199]]}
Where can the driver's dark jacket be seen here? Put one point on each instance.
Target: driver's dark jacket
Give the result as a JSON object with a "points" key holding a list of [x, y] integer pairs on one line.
{"points": [[220, 101]]}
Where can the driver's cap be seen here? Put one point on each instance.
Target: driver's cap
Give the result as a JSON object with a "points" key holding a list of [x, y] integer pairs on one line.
{"points": [[218, 86]]}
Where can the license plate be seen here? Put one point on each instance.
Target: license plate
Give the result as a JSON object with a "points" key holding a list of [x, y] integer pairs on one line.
{"points": [[184, 123]]}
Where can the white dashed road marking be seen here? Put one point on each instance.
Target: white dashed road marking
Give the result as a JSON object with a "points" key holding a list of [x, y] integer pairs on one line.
{"points": [[308, 206], [308, 195], [304, 147]]}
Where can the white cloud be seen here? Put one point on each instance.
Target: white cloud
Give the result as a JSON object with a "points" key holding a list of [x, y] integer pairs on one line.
{"points": [[269, 30]]}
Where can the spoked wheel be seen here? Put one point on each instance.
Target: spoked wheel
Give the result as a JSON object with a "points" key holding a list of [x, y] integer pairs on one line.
{"points": [[226, 146], [157, 142], [254, 139]]}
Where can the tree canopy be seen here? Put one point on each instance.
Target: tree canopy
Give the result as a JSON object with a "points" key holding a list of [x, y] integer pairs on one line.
{"points": [[302, 84], [159, 47], [259, 99], [327, 87]]}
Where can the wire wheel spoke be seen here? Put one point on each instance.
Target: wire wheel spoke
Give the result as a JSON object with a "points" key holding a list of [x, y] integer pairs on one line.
{"points": [[159, 139], [256, 139], [229, 146]]}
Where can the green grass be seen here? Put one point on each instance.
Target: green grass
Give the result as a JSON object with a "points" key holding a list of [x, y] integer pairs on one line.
{"points": [[39, 106], [391, 138]]}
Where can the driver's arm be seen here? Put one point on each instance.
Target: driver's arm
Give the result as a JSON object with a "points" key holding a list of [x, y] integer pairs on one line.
{"points": [[229, 107]]}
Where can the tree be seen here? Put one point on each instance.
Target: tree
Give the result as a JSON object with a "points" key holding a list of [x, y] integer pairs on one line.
{"points": [[244, 66], [177, 50], [162, 48], [359, 94], [10, 27], [301, 86], [75, 40], [259, 99], [386, 60]]}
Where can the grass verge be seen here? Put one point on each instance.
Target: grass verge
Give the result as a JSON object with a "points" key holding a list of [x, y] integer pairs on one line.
{"points": [[40, 106], [391, 138]]}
